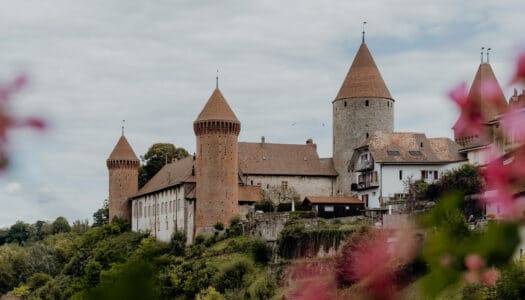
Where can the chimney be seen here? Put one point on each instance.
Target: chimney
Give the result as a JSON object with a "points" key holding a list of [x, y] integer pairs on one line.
{"points": [[311, 143]]}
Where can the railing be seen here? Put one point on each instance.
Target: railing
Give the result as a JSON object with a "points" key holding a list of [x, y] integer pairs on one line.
{"points": [[366, 185]]}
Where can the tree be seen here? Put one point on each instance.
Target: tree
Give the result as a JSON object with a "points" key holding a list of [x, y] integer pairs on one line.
{"points": [[158, 155], [101, 216], [18, 232], [60, 225]]}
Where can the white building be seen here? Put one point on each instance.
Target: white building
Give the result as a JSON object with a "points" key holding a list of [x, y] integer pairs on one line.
{"points": [[387, 160]]}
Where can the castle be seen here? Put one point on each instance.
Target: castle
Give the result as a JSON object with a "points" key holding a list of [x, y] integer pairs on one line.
{"points": [[225, 177]]}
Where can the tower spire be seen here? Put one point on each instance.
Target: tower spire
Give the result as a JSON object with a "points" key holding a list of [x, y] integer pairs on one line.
{"points": [[123, 122], [364, 23], [488, 52], [482, 50], [217, 80]]}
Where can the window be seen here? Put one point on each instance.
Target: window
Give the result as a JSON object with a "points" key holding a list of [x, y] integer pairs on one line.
{"points": [[415, 153], [367, 135], [345, 103], [393, 152], [251, 182], [400, 174], [329, 208], [435, 175], [364, 198], [284, 184], [421, 144], [366, 102]]}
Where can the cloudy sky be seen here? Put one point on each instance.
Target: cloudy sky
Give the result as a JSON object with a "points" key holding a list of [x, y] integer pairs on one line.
{"points": [[152, 63]]}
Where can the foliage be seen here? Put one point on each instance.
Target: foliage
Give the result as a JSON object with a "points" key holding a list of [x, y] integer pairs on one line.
{"points": [[264, 206], [219, 226], [209, 294], [512, 282], [19, 233], [101, 216], [178, 243], [261, 252], [60, 225], [156, 157], [466, 179]]}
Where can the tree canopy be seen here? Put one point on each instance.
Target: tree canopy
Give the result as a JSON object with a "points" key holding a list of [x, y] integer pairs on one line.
{"points": [[158, 155]]}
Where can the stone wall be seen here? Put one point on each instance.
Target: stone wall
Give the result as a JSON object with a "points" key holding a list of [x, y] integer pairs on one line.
{"points": [[352, 120], [123, 183]]}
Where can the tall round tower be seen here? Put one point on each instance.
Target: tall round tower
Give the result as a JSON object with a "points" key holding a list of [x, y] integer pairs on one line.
{"points": [[123, 166], [362, 106], [216, 164]]}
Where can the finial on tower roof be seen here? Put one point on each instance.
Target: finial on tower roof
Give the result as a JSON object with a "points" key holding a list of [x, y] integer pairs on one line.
{"points": [[488, 52], [217, 80], [482, 50], [364, 23], [123, 122]]}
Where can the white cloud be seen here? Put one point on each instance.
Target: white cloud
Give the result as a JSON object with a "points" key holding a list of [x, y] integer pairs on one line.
{"points": [[94, 63]]}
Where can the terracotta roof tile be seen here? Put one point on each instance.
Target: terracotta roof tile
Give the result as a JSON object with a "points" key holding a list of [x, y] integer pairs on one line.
{"points": [[249, 193], [283, 159], [123, 150], [172, 174], [411, 147], [332, 200], [363, 78], [485, 75], [217, 108]]}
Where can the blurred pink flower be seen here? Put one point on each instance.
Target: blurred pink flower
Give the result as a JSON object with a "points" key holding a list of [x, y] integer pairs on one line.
{"points": [[490, 276], [474, 262], [471, 277], [520, 69], [470, 122], [513, 124]]}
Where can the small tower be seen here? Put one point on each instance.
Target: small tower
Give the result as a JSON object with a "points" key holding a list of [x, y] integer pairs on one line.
{"points": [[362, 106], [490, 100], [216, 164], [123, 166]]}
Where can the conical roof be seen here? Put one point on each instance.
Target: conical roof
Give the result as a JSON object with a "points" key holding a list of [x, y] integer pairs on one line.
{"points": [[217, 108], [363, 78], [123, 150], [487, 93]]}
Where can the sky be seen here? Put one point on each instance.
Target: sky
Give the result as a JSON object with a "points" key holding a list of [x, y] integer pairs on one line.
{"points": [[95, 63]]}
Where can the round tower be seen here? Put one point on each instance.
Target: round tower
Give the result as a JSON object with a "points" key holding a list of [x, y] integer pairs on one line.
{"points": [[216, 164], [123, 166], [362, 106]]}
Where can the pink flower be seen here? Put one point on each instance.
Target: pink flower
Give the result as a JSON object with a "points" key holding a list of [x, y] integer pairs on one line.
{"points": [[471, 277], [513, 124], [490, 276], [474, 262], [520, 69], [470, 122]]}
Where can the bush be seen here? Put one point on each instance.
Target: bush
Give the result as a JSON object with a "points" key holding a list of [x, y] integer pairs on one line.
{"points": [[209, 294], [304, 214], [199, 239], [38, 280], [60, 225], [178, 243], [232, 275], [264, 205], [261, 252], [263, 288], [219, 226]]}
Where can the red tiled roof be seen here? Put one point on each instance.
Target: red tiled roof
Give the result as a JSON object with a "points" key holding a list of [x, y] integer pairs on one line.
{"points": [[177, 172], [332, 200], [123, 151], [217, 108], [363, 78], [283, 159], [249, 193]]}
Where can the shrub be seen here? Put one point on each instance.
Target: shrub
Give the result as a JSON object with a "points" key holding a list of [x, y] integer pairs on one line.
{"points": [[261, 252], [60, 225], [178, 243], [38, 280], [264, 205], [232, 275], [199, 239], [262, 288], [219, 226], [209, 294]]}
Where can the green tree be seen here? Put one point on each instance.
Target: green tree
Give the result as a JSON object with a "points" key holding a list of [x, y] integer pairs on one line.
{"points": [[157, 156], [18, 232], [60, 225], [101, 216]]}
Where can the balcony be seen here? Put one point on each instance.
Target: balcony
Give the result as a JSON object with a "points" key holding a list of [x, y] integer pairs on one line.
{"points": [[364, 165], [365, 185]]}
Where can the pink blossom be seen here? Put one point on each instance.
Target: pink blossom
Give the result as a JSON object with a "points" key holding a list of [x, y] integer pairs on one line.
{"points": [[520, 69], [471, 277], [490, 276], [513, 124], [470, 122], [474, 262]]}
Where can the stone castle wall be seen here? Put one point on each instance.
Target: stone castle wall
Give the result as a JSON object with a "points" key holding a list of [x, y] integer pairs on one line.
{"points": [[352, 120], [217, 177], [123, 182]]}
